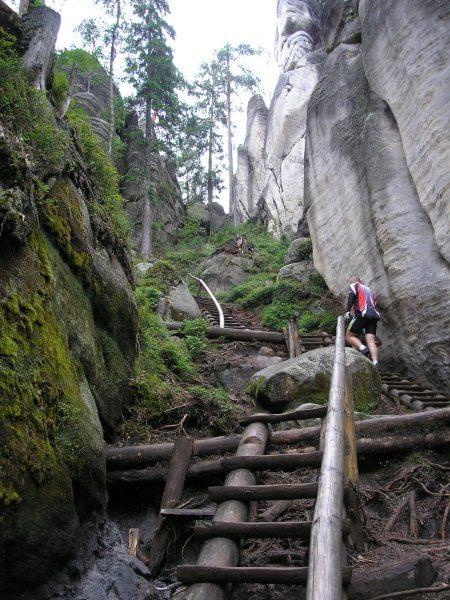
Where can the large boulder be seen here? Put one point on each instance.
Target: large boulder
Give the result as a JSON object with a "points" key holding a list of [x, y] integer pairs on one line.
{"points": [[298, 271], [307, 379], [299, 250], [223, 271], [181, 304], [212, 218], [234, 377]]}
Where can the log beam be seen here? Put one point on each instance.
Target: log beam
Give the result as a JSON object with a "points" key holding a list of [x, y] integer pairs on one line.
{"points": [[129, 457]]}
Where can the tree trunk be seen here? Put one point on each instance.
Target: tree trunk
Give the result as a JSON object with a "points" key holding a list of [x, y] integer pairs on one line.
{"points": [[112, 58], [147, 216], [210, 157], [230, 146]]}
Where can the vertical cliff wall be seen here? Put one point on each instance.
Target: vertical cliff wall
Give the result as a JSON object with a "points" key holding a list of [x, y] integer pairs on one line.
{"points": [[356, 142], [376, 184], [68, 324]]}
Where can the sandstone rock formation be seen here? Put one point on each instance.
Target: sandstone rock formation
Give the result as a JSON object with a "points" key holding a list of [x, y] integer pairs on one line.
{"points": [[139, 178], [181, 304], [307, 379], [375, 182], [251, 171], [211, 218], [280, 200], [223, 271]]}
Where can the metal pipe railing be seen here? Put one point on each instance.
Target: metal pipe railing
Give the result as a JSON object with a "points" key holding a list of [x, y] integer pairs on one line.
{"points": [[325, 555], [214, 299]]}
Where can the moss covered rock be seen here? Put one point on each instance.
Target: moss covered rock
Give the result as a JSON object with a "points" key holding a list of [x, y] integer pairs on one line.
{"points": [[307, 379]]}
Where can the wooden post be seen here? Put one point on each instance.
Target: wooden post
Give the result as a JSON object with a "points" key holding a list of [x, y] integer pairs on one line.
{"points": [[351, 467], [220, 551], [173, 490], [292, 338], [325, 568]]}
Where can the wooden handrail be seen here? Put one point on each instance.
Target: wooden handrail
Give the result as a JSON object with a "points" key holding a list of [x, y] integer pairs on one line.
{"points": [[325, 557], [214, 299]]}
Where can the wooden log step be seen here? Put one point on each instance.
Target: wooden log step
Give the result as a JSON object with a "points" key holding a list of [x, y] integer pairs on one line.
{"points": [[251, 493], [417, 392], [294, 415], [188, 513], [238, 531], [189, 574], [435, 403], [272, 462]]}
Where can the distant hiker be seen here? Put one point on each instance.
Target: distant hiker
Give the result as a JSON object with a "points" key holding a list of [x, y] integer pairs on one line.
{"points": [[362, 309], [240, 244]]}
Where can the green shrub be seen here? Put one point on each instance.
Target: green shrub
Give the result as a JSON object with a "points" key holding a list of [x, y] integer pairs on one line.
{"points": [[259, 297], [195, 337], [150, 295], [278, 314], [161, 276], [103, 173], [194, 327], [317, 285], [308, 321], [26, 111], [304, 249], [328, 322], [248, 286], [289, 291]]}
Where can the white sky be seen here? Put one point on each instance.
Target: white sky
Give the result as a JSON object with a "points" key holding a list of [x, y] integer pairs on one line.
{"points": [[201, 27]]}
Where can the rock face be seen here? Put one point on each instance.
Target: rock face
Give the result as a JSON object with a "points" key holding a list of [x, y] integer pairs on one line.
{"points": [[307, 379], [251, 171], [181, 304], [278, 195], [211, 219], [376, 189], [68, 336], [223, 271], [168, 208]]}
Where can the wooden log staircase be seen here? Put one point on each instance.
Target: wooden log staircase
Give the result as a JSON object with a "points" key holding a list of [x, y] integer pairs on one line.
{"points": [[335, 521]]}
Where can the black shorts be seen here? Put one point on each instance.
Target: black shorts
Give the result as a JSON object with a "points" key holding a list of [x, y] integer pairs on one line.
{"points": [[362, 325]]}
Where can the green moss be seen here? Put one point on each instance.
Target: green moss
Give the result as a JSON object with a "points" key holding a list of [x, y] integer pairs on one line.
{"points": [[27, 114], [366, 390], [161, 276], [63, 219], [104, 175], [41, 419], [254, 386]]}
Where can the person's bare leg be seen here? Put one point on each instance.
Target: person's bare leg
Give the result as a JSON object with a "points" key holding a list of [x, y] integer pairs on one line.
{"points": [[370, 339], [353, 340]]}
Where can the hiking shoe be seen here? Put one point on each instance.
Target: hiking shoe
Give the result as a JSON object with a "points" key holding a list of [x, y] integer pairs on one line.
{"points": [[365, 351]]}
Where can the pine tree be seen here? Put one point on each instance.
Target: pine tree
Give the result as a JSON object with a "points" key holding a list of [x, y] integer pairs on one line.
{"points": [[233, 76], [152, 72], [113, 7], [210, 105]]}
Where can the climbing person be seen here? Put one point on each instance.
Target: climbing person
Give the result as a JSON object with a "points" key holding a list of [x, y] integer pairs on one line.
{"points": [[362, 310]]}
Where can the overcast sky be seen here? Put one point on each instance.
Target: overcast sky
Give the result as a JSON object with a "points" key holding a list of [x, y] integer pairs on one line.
{"points": [[201, 27]]}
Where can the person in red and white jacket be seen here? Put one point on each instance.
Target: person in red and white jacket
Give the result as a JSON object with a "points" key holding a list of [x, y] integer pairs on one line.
{"points": [[362, 309]]}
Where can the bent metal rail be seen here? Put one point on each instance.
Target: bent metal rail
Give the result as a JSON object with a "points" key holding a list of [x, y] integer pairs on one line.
{"points": [[327, 573]]}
